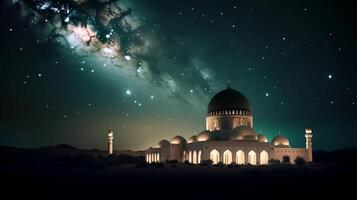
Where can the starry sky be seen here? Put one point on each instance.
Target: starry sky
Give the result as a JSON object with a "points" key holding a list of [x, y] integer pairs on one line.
{"points": [[71, 69]]}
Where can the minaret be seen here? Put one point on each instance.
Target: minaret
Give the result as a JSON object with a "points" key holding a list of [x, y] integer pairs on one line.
{"points": [[110, 142], [308, 137]]}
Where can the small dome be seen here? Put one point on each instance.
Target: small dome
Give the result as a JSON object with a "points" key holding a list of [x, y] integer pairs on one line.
{"points": [[192, 139], [262, 138], [204, 136], [280, 141], [163, 143], [178, 140], [244, 133], [228, 99]]}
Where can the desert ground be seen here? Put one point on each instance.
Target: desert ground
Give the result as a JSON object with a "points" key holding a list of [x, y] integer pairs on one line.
{"points": [[64, 172]]}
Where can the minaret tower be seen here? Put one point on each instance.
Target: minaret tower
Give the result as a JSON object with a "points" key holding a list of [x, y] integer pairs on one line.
{"points": [[110, 142], [308, 137]]}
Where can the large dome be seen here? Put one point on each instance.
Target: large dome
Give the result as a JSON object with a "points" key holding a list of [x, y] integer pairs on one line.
{"points": [[228, 99]]}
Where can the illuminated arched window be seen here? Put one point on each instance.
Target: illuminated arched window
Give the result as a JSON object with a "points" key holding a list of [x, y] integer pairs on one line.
{"points": [[214, 156], [264, 158], [252, 158], [158, 157], [194, 157], [199, 157], [149, 155], [227, 157], [190, 157], [240, 157]]}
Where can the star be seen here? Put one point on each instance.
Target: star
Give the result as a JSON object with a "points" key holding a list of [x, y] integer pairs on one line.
{"points": [[127, 57], [266, 94], [330, 76], [128, 92], [151, 97]]}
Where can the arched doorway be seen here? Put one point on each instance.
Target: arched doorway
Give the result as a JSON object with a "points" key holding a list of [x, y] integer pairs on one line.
{"points": [[240, 157], [227, 157], [190, 157], [214, 156], [199, 157], [264, 158], [252, 158], [194, 157]]}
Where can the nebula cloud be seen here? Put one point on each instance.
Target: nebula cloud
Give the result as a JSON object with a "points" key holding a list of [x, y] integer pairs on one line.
{"points": [[111, 31]]}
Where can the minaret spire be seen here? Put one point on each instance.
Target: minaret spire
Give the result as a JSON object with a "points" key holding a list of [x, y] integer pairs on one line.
{"points": [[110, 141], [308, 136]]}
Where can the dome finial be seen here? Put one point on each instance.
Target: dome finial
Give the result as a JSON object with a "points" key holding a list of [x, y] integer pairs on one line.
{"points": [[228, 84]]}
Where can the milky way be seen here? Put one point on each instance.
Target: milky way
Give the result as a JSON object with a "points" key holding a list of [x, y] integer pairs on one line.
{"points": [[109, 31]]}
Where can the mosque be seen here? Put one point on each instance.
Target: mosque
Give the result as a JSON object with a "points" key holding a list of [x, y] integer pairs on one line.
{"points": [[229, 138]]}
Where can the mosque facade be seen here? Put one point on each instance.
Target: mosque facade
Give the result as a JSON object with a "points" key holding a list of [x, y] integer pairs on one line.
{"points": [[229, 138]]}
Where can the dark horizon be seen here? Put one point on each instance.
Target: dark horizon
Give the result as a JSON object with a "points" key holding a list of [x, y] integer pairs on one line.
{"points": [[150, 73]]}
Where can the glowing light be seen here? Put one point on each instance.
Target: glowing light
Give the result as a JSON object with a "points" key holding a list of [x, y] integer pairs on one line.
{"points": [[128, 92], [266, 94], [308, 130], [127, 57], [330, 76], [66, 20], [107, 36], [151, 97]]}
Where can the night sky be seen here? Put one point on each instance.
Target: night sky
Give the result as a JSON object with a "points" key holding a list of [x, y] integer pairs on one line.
{"points": [[71, 69]]}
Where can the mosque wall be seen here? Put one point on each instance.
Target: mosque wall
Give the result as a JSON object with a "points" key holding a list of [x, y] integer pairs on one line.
{"points": [[233, 147], [279, 153]]}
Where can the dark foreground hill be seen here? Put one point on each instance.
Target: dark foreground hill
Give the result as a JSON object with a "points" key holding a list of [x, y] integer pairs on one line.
{"points": [[64, 172]]}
